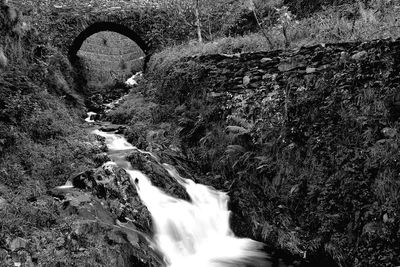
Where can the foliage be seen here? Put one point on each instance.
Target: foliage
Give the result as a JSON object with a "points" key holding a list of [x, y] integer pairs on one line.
{"points": [[315, 155], [133, 109], [42, 142], [319, 166], [329, 25]]}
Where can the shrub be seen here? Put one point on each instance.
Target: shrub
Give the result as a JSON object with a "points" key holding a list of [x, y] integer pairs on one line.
{"points": [[133, 109]]}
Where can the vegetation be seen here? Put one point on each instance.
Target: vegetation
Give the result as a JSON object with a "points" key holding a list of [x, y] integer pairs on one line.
{"points": [[321, 174], [296, 179], [42, 144], [283, 27]]}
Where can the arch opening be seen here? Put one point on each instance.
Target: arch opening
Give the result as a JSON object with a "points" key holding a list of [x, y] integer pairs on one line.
{"points": [[105, 26], [107, 52]]}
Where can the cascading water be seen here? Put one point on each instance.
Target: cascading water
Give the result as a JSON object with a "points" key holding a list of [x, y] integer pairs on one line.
{"points": [[195, 233], [90, 115]]}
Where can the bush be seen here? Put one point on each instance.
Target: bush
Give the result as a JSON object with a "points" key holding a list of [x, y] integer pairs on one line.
{"points": [[133, 109], [41, 141]]}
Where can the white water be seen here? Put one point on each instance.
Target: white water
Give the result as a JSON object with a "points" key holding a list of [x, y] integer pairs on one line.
{"points": [[89, 117], [132, 81], [189, 234]]}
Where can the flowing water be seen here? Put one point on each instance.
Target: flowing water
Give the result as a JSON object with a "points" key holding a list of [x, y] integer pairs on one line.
{"points": [[90, 116], [195, 233]]}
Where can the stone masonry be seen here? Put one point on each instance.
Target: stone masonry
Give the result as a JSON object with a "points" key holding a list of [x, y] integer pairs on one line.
{"points": [[108, 56]]}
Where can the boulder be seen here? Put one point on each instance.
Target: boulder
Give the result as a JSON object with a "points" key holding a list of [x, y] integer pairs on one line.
{"points": [[157, 174]]}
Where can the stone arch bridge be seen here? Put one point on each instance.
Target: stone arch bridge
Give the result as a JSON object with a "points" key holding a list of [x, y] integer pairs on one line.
{"points": [[68, 23]]}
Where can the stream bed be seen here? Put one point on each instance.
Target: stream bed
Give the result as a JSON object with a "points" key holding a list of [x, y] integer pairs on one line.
{"points": [[190, 228], [187, 233]]}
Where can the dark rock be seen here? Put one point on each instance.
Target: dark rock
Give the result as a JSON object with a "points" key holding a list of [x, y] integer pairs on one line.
{"points": [[157, 174], [112, 128], [101, 158], [84, 180], [95, 103], [359, 55]]}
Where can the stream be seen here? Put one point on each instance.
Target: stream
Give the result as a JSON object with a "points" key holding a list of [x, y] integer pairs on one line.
{"points": [[188, 233], [194, 232]]}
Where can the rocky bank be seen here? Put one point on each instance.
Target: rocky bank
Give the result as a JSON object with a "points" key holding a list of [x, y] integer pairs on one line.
{"points": [[305, 141]]}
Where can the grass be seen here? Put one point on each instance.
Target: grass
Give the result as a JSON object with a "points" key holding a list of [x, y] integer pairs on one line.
{"points": [[333, 24], [226, 45], [42, 142], [134, 108]]}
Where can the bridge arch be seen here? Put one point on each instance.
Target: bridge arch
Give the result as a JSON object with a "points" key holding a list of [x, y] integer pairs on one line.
{"points": [[106, 26]]}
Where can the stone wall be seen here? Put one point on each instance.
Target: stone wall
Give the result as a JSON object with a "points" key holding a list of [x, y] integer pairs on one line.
{"points": [[108, 56], [349, 66]]}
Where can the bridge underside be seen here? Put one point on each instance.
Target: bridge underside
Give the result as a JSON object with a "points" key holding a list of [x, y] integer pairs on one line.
{"points": [[105, 26], [108, 57], [106, 51]]}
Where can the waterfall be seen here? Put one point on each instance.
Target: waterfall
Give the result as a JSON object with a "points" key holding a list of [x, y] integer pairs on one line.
{"points": [[192, 233], [89, 117]]}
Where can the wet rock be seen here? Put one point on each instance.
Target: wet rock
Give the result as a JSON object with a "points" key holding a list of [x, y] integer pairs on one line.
{"points": [[157, 174], [125, 233], [116, 237], [96, 217], [109, 169], [83, 180], [101, 158], [130, 231]]}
